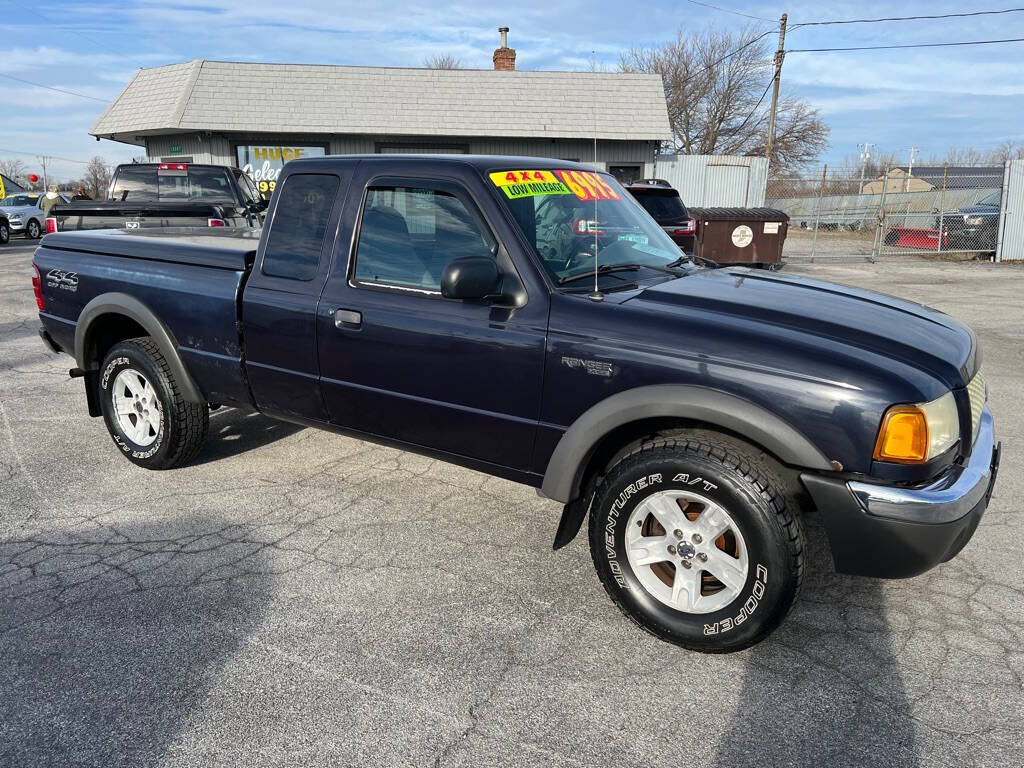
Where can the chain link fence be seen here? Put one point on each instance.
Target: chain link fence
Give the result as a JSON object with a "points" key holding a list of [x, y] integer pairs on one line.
{"points": [[912, 211]]}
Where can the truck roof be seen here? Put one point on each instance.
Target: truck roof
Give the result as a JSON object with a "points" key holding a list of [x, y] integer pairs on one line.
{"points": [[480, 162]]}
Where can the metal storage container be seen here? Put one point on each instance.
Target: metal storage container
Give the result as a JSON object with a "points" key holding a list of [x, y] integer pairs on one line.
{"points": [[747, 236]]}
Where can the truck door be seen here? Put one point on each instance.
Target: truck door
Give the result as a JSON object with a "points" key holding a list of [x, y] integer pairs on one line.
{"points": [[400, 361], [279, 313]]}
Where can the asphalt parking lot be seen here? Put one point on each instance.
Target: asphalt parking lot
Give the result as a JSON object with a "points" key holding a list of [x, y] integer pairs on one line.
{"points": [[300, 598]]}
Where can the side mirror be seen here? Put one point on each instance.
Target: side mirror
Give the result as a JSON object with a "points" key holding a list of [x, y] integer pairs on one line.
{"points": [[471, 277]]}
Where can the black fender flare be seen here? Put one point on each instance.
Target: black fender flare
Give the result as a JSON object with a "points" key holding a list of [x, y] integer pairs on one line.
{"points": [[130, 307], [563, 478]]}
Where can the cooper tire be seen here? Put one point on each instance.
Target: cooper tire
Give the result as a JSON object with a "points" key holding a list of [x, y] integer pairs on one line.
{"points": [[145, 413], [725, 615], [33, 231]]}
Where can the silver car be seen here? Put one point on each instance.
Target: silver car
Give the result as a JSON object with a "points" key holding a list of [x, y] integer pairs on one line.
{"points": [[25, 214]]}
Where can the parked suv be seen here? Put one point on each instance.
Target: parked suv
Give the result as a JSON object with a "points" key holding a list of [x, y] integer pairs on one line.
{"points": [[666, 207], [25, 213]]}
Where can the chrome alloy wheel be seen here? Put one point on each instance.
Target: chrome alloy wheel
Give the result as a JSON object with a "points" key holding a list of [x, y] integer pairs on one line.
{"points": [[687, 551], [136, 407]]}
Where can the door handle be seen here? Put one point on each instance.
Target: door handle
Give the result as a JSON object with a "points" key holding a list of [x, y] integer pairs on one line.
{"points": [[347, 318]]}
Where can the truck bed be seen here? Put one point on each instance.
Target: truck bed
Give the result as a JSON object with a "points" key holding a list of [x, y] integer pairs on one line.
{"points": [[200, 246], [191, 279], [137, 215]]}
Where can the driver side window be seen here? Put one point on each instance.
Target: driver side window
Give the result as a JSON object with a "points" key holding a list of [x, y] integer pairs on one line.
{"points": [[408, 234]]}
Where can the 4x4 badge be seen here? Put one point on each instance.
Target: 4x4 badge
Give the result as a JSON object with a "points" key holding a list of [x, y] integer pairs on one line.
{"points": [[58, 278]]}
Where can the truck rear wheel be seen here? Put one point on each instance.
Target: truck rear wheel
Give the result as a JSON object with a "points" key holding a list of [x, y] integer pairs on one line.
{"points": [[696, 545], [145, 413]]}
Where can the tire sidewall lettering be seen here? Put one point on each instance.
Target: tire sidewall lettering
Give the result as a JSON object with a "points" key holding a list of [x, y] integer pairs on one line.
{"points": [[114, 366], [747, 613]]}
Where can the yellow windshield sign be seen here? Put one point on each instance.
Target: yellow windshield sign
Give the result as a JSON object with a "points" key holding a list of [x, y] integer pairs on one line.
{"points": [[516, 184]]}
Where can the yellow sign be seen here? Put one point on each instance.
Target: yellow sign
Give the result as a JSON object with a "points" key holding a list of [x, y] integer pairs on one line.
{"points": [[3, 193], [516, 184]]}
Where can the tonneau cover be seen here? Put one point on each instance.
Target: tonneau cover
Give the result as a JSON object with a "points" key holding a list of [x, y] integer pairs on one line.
{"points": [[232, 249]]}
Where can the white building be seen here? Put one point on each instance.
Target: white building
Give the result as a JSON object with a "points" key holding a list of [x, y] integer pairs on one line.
{"points": [[259, 115]]}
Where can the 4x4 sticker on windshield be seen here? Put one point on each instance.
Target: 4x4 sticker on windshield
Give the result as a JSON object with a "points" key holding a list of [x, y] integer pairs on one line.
{"points": [[586, 185], [516, 184]]}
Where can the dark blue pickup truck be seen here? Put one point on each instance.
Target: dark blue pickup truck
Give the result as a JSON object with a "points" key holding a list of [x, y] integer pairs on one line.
{"points": [[526, 318]]}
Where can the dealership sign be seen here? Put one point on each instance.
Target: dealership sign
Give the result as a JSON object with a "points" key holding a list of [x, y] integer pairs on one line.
{"points": [[264, 162]]}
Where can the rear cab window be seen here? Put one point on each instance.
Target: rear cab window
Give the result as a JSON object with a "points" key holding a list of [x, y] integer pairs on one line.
{"points": [[208, 185], [296, 238], [135, 184], [144, 183]]}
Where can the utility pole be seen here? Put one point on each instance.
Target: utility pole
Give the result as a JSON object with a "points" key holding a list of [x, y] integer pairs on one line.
{"points": [[42, 162], [865, 155], [910, 168], [780, 54]]}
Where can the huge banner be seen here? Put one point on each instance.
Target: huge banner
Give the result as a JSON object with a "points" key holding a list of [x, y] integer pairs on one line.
{"points": [[263, 162]]}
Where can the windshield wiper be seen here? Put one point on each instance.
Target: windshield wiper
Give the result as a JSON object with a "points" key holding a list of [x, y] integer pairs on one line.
{"points": [[607, 268], [702, 260]]}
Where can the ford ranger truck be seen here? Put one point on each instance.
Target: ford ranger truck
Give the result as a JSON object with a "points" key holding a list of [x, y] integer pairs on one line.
{"points": [[526, 318]]}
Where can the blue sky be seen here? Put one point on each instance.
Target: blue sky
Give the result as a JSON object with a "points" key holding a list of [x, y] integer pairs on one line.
{"points": [[929, 98]]}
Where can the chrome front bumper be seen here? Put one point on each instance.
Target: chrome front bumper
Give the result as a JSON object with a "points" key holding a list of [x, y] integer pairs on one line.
{"points": [[947, 499]]}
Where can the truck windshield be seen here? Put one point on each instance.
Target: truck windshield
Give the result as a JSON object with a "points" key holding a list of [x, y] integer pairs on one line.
{"points": [[568, 217]]}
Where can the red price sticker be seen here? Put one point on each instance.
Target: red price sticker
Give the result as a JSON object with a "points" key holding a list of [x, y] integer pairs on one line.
{"points": [[587, 185]]}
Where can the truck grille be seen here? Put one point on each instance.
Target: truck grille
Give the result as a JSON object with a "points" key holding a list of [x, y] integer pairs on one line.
{"points": [[977, 391]]}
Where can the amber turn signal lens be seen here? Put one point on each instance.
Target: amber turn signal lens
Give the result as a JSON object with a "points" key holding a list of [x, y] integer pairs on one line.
{"points": [[903, 437]]}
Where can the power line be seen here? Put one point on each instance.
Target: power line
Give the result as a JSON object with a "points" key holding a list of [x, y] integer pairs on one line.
{"points": [[729, 10], [911, 45], [754, 110], [718, 61], [906, 18], [58, 90], [37, 154]]}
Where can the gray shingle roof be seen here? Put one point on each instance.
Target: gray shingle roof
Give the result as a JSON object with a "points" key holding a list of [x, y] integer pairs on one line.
{"points": [[291, 98]]}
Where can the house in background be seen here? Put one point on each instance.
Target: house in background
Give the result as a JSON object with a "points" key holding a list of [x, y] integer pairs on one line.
{"points": [[924, 178], [258, 116]]}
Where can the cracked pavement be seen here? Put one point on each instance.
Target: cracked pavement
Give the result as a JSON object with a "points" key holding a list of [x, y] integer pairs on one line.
{"points": [[300, 598]]}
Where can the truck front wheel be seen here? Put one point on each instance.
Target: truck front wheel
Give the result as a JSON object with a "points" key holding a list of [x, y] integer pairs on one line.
{"points": [[145, 413], [696, 545]]}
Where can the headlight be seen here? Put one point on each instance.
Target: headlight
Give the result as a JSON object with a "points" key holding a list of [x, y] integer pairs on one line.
{"points": [[913, 434], [974, 221]]}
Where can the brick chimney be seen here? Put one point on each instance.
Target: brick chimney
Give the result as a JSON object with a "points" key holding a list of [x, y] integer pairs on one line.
{"points": [[504, 57]]}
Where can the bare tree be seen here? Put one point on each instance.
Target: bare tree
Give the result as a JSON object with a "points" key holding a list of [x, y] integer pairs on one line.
{"points": [[443, 61], [97, 178], [13, 169], [716, 87]]}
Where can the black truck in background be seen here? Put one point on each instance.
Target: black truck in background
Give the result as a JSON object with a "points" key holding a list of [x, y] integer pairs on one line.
{"points": [[144, 195]]}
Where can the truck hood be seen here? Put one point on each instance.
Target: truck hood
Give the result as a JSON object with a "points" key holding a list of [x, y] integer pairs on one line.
{"points": [[892, 327]]}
